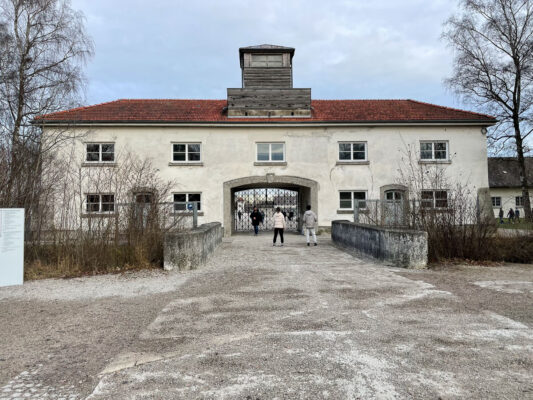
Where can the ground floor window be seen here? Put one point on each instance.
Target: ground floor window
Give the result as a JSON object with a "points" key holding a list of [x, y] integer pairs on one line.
{"points": [[100, 203], [347, 199], [434, 199], [394, 195], [183, 201], [496, 201], [519, 201]]}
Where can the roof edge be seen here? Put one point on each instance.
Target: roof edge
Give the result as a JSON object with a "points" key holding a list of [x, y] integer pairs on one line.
{"points": [[278, 121]]}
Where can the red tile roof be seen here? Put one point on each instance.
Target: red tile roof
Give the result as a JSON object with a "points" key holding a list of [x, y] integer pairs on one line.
{"points": [[196, 111]]}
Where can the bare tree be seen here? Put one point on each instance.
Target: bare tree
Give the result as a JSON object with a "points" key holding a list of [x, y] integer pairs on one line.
{"points": [[43, 48], [493, 69]]}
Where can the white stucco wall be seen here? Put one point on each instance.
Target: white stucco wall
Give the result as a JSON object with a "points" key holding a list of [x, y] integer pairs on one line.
{"points": [[311, 152], [508, 199]]}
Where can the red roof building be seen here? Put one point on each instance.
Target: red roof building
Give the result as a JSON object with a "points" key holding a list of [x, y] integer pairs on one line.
{"points": [[215, 111]]}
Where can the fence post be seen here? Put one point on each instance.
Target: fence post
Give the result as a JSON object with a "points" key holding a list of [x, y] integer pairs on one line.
{"points": [[356, 211], [195, 214]]}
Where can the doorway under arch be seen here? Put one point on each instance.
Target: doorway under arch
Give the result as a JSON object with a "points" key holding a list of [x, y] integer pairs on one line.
{"points": [[294, 192]]}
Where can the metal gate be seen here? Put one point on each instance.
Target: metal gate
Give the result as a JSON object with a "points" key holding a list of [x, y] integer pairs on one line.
{"points": [[266, 200]]}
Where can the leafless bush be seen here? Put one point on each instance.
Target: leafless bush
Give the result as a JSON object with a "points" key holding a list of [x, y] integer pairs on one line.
{"points": [[126, 230], [458, 222]]}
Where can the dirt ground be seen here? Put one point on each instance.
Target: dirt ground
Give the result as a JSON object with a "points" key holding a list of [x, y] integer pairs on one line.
{"points": [[264, 322]]}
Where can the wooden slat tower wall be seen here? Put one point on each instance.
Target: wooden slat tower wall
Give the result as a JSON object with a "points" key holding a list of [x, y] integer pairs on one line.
{"points": [[267, 87]]}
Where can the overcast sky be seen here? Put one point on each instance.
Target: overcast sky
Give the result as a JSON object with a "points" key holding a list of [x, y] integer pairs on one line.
{"points": [[345, 49]]}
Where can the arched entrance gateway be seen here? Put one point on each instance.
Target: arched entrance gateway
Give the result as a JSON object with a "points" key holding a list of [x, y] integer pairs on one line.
{"points": [[292, 194]]}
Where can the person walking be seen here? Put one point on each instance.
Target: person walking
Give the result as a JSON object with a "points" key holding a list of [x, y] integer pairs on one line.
{"points": [[510, 215], [501, 215], [256, 218], [517, 215], [279, 225], [309, 221]]}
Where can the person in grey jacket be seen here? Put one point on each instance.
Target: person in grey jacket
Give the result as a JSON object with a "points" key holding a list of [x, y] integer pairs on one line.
{"points": [[309, 222]]}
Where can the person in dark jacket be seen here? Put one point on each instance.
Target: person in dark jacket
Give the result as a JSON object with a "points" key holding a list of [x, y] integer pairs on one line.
{"points": [[501, 215], [510, 215], [256, 218]]}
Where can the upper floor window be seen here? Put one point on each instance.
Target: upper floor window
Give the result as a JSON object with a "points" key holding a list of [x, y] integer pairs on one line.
{"points": [[100, 203], [100, 152], [348, 199], [352, 151], [519, 201], [434, 151], [267, 60], [186, 152], [268, 152], [434, 199], [183, 201], [496, 201]]}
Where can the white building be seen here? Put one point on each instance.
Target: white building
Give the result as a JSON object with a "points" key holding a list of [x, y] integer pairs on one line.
{"points": [[504, 182], [270, 145]]}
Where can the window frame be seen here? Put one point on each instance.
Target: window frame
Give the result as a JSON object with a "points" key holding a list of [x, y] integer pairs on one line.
{"points": [[434, 199], [270, 152], [100, 152], [498, 201], [433, 159], [519, 201], [186, 161], [352, 202], [351, 143], [266, 62], [100, 204], [187, 194]]}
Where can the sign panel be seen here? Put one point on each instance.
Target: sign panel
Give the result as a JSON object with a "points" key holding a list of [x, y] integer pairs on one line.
{"points": [[11, 246]]}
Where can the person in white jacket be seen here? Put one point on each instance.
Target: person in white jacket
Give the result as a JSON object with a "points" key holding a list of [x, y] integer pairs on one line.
{"points": [[309, 222], [279, 225]]}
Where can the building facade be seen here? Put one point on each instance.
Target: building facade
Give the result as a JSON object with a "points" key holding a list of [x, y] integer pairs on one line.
{"points": [[269, 144], [504, 182]]}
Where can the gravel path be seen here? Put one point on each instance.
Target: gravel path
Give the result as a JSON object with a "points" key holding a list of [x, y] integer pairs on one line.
{"points": [[263, 322], [313, 323]]}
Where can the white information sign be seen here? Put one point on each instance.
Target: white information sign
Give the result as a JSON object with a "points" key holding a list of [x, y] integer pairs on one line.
{"points": [[11, 246]]}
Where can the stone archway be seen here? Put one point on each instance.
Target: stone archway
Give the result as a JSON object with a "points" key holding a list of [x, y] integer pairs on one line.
{"points": [[308, 192]]}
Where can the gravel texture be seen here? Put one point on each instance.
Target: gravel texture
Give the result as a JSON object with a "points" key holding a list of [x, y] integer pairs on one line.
{"points": [[263, 322]]}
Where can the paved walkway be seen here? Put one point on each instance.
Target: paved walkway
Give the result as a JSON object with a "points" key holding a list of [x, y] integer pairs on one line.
{"points": [[293, 322]]}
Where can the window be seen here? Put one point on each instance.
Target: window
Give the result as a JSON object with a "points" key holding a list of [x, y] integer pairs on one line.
{"points": [[143, 198], [349, 198], [100, 152], [496, 201], [394, 195], [186, 152], [434, 199], [267, 60], [182, 201], [271, 152], [353, 151], [434, 151], [100, 203], [519, 201]]}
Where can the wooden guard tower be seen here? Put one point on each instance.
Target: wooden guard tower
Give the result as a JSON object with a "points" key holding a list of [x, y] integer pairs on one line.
{"points": [[267, 89]]}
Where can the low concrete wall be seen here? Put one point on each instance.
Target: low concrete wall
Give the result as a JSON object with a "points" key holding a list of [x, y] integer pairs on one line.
{"points": [[190, 249], [398, 247]]}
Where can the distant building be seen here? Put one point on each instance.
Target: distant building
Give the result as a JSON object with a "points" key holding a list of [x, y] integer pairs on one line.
{"points": [[504, 183], [271, 144]]}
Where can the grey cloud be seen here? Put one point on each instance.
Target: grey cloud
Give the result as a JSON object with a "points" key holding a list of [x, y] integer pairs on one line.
{"points": [[344, 49]]}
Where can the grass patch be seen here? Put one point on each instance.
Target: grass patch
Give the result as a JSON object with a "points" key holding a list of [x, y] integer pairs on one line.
{"points": [[44, 261], [517, 225]]}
